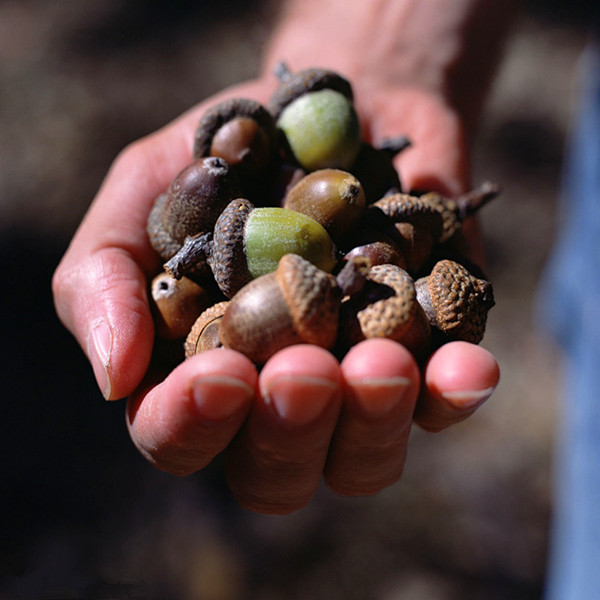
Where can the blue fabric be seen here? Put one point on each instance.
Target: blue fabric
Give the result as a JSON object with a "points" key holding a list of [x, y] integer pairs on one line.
{"points": [[571, 310]]}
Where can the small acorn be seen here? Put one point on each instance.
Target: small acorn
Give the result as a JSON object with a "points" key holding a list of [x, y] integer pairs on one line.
{"points": [[412, 223], [191, 205], [296, 303], [248, 242], [243, 133], [204, 333], [176, 304], [387, 307], [455, 301], [377, 247], [332, 197], [314, 109]]}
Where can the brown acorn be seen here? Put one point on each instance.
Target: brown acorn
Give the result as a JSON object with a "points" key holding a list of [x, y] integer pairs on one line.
{"points": [[297, 303], [456, 302], [243, 133], [332, 197], [191, 205], [176, 304]]}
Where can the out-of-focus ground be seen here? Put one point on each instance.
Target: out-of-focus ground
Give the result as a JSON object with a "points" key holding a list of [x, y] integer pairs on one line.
{"points": [[83, 516]]}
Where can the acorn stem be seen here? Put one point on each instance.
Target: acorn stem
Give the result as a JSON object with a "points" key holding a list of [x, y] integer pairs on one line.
{"points": [[195, 249], [470, 202]]}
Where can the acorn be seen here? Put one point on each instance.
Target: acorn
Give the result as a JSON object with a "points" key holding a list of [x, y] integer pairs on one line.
{"points": [[314, 110], [204, 333], [386, 307], [243, 133], [414, 224], [296, 303], [191, 205], [248, 242], [377, 247], [332, 197], [455, 302], [176, 304]]}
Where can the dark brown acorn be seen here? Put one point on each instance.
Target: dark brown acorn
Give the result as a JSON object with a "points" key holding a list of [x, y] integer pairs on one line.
{"points": [[191, 205]]}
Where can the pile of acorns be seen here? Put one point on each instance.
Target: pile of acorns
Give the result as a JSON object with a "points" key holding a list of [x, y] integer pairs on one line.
{"points": [[289, 228]]}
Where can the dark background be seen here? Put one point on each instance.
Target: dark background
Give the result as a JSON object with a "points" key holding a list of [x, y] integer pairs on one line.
{"points": [[82, 514]]}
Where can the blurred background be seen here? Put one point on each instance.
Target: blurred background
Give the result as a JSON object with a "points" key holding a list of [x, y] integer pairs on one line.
{"points": [[82, 515]]}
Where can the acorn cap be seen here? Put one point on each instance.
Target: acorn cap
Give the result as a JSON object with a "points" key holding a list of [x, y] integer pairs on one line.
{"points": [[294, 85], [389, 310], [228, 258], [313, 298], [199, 337], [455, 301], [405, 208]]}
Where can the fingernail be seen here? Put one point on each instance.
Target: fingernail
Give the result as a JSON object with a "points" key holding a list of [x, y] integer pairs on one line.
{"points": [[299, 400], [467, 398], [99, 350], [379, 395], [219, 397]]}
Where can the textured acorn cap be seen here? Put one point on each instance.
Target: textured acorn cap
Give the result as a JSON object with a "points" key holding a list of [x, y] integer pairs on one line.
{"points": [[308, 80], [313, 298], [196, 340], [390, 310], [228, 259], [455, 301], [404, 208]]}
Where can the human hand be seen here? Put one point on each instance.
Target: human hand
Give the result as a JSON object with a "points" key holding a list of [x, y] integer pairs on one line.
{"points": [[304, 415]]}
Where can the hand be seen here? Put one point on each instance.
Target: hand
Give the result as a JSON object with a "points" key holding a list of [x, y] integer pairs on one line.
{"points": [[305, 414]]}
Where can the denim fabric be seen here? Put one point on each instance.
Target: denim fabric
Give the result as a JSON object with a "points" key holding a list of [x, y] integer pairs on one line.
{"points": [[570, 308]]}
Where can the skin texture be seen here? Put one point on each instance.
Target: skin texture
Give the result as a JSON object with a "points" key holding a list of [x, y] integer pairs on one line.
{"points": [[304, 416]]}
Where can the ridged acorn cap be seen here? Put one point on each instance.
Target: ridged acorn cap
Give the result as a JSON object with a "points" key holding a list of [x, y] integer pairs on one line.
{"points": [[455, 301]]}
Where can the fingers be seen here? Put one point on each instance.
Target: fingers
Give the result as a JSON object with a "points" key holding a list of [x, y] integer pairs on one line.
{"points": [[275, 463], [182, 423], [369, 446], [459, 378]]}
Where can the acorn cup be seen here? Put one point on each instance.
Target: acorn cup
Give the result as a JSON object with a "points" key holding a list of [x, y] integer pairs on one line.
{"points": [[386, 307]]}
